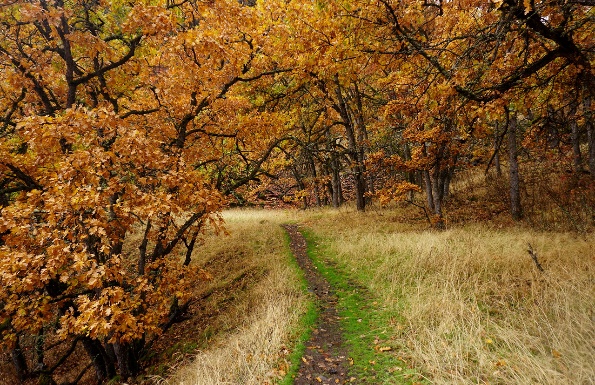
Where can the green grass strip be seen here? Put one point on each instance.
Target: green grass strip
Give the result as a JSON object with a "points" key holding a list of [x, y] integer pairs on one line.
{"points": [[306, 326], [366, 326]]}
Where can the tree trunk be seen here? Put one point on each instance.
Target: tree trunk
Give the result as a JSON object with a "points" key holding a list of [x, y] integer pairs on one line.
{"points": [[190, 247], [577, 158], [362, 139], [111, 360], [300, 183], [142, 259], [360, 188], [411, 176], [127, 360], [448, 175], [428, 185], [497, 150], [334, 166], [93, 349], [437, 191], [515, 192], [312, 165], [590, 134], [353, 152], [437, 179], [39, 351], [19, 362]]}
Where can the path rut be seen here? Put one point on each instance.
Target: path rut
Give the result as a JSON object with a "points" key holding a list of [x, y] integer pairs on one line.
{"points": [[325, 359]]}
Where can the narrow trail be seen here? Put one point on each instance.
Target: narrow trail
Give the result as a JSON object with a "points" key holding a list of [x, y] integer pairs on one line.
{"points": [[325, 359]]}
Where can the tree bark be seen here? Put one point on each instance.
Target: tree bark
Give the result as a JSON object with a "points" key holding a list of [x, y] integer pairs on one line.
{"points": [[314, 173], [142, 259], [360, 188], [515, 193], [497, 150], [362, 139], [353, 152], [428, 183], [336, 184], [93, 349], [190, 247], [437, 191], [577, 158], [448, 175], [334, 167], [590, 134], [297, 175], [411, 176], [19, 362], [428, 188], [127, 360], [39, 350]]}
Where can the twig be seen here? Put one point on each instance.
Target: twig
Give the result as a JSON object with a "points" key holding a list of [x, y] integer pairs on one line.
{"points": [[80, 375], [423, 207], [533, 255]]}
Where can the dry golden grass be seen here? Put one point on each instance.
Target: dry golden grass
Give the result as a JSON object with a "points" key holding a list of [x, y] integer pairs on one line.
{"points": [[466, 305], [474, 307], [253, 352]]}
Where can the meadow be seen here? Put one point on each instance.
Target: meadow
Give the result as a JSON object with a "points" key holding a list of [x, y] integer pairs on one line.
{"points": [[467, 305]]}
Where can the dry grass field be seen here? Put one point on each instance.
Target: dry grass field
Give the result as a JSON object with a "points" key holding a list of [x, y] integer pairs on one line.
{"points": [[470, 306], [462, 306], [249, 343]]}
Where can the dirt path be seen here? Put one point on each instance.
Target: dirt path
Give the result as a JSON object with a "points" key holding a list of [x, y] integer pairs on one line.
{"points": [[325, 359]]}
